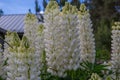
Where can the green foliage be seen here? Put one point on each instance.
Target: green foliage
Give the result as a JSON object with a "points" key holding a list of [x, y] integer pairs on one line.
{"points": [[1, 78], [102, 35], [103, 41], [102, 9], [86, 71], [44, 74], [94, 68], [103, 13], [15, 40], [102, 55], [25, 42]]}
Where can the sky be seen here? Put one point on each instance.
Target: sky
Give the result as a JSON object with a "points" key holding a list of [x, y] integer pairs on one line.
{"points": [[17, 6], [20, 6]]}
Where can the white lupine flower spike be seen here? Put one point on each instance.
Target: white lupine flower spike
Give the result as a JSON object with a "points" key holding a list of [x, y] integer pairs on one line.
{"points": [[61, 39], [21, 64], [86, 36], [8, 38], [52, 39], [39, 47], [34, 32], [2, 70], [30, 28], [115, 56], [71, 37]]}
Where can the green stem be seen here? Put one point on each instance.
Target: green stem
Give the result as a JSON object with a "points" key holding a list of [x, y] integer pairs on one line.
{"points": [[72, 75]]}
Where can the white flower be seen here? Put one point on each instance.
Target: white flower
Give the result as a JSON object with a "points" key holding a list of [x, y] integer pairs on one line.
{"points": [[61, 39], [115, 56], [2, 71], [70, 40], [39, 47], [8, 38], [31, 27], [87, 41], [34, 32], [95, 76], [52, 39], [21, 63]]}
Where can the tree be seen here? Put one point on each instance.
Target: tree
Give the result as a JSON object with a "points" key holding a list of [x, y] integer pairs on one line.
{"points": [[1, 12], [103, 10], [62, 2], [44, 3], [103, 13], [37, 8], [76, 3]]}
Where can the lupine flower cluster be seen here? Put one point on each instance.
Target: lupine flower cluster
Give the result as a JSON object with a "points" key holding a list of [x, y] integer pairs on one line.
{"points": [[8, 38], [53, 40], [6, 53], [68, 38], [86, 36], [71, 41], [39, 46], [21, 64], [34, 32], [60, 39], [115, 56], [1, 63], [24, 59], [2, 72], [30, 28], [62, 42]]}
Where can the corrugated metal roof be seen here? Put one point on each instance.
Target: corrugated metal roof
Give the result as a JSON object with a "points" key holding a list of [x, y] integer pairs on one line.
{"points": [[12, 22], [15, 22]]}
